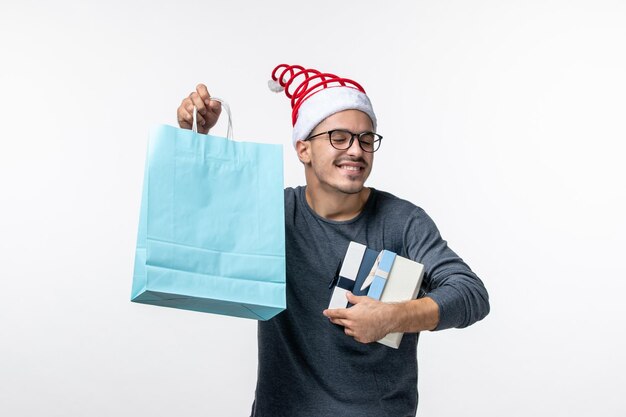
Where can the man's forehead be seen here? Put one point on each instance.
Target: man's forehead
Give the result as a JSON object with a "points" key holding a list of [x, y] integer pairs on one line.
{"points": [[346, 119]]}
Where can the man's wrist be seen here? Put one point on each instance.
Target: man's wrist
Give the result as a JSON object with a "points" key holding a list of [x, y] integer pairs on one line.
{"points": [[415, 316]]}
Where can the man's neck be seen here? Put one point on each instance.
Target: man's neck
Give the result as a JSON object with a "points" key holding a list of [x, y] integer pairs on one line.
{"points": [[335, 205]]}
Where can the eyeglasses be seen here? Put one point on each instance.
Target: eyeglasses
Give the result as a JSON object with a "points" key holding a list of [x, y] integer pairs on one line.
{"points": [[343, 139]]}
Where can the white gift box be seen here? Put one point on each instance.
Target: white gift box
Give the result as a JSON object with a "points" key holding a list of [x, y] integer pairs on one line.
{"points": [[347, 275], [403, 284]]}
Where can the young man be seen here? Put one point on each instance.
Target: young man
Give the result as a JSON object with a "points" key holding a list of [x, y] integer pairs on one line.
{"points": [[315, 362]]}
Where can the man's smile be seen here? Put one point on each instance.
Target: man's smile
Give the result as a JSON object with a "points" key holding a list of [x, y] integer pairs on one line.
{"points": [[351, 166]]}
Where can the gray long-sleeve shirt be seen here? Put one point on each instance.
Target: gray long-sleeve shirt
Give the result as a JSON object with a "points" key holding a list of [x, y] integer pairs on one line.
{"points": [[308, 367]]}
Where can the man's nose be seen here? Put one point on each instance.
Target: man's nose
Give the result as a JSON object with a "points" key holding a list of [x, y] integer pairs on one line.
{"points": [[355, 148]]}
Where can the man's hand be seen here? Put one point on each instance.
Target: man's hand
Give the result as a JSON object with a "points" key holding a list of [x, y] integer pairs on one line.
{"points": [[208, 110], [367, 321]]}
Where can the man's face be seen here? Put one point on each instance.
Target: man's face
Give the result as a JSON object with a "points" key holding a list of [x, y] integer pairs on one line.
{"points": [[338, 170]]}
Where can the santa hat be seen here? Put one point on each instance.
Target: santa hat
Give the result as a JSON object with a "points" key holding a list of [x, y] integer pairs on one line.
{"points": [[315, 96]]}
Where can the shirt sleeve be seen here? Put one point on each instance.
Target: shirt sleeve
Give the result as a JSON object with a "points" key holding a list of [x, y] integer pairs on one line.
{"points": [[460, 294]]}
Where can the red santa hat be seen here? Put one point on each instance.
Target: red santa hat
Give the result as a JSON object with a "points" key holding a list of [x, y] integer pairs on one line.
{"points": [[315, 96]]}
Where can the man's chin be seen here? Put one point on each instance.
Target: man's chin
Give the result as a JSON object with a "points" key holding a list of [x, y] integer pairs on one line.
{"points": [[350, 188]]}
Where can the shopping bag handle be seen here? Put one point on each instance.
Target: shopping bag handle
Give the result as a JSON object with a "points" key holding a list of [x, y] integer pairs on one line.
{"points": [[229, 132]]}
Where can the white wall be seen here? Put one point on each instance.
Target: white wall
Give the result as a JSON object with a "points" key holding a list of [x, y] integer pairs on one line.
{"points": [[503, 119]]}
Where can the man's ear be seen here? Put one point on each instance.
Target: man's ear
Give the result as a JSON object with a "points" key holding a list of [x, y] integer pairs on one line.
{"points": [[303, 149]]}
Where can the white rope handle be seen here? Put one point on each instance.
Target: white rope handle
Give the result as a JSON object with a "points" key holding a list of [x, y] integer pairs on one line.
{"points": [[226, 107]]}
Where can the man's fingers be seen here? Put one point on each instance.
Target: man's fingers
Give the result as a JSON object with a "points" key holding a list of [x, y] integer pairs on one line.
{"points": [[355, 299], [203, 92], [336, 313], [208, 111], [185, 119], [341, 322], [183, 109], [188, 105], [215, 107], [198, 102]]}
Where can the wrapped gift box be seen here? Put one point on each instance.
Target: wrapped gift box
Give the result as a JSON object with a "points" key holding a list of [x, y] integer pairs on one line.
{"points": [[403, 284], [368, 264], [347, 275], [381, 275]]}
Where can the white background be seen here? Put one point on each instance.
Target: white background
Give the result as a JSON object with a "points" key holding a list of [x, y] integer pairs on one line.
{"points": [[504, 120]]}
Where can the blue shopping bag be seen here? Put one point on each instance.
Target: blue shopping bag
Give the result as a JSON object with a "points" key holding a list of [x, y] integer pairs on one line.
{"points": [[211, 230]]}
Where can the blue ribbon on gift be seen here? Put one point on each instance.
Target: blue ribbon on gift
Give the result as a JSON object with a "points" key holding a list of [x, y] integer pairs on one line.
{"points": [[341, 282], [345, 283]]}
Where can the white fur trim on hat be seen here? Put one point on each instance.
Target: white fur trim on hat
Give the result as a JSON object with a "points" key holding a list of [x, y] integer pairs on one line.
{"points": [[327, 102]]}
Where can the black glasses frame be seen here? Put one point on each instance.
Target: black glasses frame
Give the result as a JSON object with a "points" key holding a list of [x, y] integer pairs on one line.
{"points": [[375, 145]]}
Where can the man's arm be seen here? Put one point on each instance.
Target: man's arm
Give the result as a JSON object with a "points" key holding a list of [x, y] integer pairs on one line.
{"points": [[455, 296], [460, 294], [370, 320]]}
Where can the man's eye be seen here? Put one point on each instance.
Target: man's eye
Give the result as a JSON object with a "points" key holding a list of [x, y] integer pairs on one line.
{"points": [[339, 136], [367, 139]]}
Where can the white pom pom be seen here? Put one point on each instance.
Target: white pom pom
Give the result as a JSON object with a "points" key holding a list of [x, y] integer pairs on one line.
{"points": [[275, 86]]}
